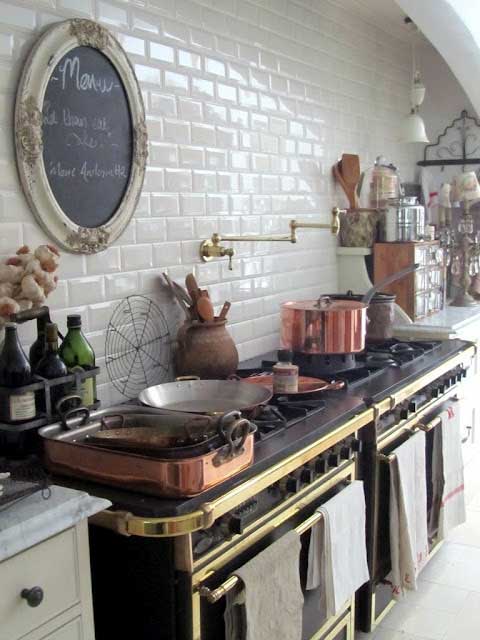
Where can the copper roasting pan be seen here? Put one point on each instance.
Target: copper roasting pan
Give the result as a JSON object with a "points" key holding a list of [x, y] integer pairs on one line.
{"points": [[67, 452]]}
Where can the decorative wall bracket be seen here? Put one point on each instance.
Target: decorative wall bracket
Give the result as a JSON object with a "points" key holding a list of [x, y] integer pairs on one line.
{"points": [[459, 144], [212, 248]]}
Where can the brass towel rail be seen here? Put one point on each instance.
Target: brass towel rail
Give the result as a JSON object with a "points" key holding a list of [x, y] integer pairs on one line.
{"points": [[214, 595], [418, 427]]}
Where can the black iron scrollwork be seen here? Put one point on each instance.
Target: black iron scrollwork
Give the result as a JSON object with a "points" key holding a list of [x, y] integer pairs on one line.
{"points": [[461, 151]]}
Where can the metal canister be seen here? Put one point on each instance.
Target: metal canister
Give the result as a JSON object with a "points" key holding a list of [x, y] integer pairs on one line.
{"points": [[404, 221]]}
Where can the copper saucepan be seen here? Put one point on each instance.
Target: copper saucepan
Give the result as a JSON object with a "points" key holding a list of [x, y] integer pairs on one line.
{"points": [[324, 326]]}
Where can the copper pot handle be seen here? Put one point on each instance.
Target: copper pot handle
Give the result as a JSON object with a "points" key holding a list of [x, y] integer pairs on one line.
{"points": [[323, 302], [64, 415], [235, 435]]}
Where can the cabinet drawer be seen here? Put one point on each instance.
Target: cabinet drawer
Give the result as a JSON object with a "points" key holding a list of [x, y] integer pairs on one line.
{"points": [[51, 565], [70, 631]]}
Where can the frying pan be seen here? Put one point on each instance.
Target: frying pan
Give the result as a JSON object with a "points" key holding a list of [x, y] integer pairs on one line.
{"points": [[305, 384], [205, 396]]}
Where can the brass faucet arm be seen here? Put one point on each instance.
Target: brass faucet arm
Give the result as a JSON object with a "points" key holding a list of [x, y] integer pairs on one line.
{"points": [[275, 238]]}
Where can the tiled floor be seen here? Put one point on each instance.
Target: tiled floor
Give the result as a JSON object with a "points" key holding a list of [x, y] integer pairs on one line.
{"points": [[447, 603]]}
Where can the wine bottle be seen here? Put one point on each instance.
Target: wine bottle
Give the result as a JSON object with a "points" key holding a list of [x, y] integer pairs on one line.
{"points": [[15, 372], [51, 366], [78, 355], [39, 347]]}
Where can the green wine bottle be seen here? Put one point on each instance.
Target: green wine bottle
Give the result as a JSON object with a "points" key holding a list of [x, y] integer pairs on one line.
{"points": [[78, 355]]}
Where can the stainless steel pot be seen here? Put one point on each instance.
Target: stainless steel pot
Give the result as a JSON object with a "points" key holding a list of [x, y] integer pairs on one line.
{"points": [[324, 326], [404, 221]]}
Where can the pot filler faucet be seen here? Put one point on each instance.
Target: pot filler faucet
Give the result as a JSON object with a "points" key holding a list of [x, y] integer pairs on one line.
{"points": [[213, 248]]}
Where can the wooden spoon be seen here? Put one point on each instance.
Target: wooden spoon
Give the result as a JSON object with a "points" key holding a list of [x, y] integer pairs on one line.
{"points": [[350, 170], [205, 309], [339, 178], [178, 297]]}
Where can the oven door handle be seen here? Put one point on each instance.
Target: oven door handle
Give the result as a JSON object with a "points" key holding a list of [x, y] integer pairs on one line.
{"points": [[214, 595], [420, 426]]}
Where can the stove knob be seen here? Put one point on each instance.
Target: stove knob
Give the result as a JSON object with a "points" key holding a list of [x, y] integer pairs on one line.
{"points": [[404, 413], [356, 445], [453, 380], [290, 484], [464, 373], [412, 406], [307, 475], [435, 392], [345, 451], [459, 376], [321, 465], [203, 540], [441, 387], [333, 458]]}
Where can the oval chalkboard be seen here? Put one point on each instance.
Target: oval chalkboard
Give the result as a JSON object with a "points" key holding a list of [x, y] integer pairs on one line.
{"points": [[87, 136]]}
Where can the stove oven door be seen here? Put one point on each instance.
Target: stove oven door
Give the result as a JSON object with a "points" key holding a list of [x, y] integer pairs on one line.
{"points": [[382, 598], [208, 622]]}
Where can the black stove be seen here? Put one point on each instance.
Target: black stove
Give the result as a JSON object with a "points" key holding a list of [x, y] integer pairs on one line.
{"points": [[352, 369]]}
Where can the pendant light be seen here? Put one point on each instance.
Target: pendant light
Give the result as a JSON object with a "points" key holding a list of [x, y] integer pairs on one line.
{"points": [[413, 127]]}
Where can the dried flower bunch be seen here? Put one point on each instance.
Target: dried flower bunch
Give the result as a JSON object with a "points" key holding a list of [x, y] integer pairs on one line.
{"points": [[27, 278]]}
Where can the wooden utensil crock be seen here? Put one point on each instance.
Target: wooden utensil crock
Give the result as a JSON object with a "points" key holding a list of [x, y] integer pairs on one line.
{"points": [[205, 349]]}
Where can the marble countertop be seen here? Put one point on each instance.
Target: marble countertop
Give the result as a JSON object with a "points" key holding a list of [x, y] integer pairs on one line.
{"points": [[446, 323], [35, 519]]}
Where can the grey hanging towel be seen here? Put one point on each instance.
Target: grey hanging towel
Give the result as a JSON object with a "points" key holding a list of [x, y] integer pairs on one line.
{"points": [[269, 606]]}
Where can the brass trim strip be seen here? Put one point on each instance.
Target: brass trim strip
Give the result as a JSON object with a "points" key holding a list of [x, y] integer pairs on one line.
{"points": [[340, 621], [254, 533], [321, 485], [426, 428], [214, 595], [392, 434], [268, 477], [389, 403]]}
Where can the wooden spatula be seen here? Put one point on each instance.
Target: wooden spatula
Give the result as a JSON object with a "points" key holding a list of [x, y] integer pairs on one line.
{"points": [[225, 309], [192, 287], [350, 170]]}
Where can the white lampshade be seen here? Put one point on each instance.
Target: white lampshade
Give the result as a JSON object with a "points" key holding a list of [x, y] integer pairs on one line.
{"points": [[413, 129], [466, 187]]}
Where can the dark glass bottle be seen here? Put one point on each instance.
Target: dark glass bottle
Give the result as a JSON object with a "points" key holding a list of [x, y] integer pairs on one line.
{"points": [[78, 355], [39, 347], [15, 372], [51, 366]]}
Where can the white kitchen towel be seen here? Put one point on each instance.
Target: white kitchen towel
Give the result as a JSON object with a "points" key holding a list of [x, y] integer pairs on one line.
{"points": [[448, 502], [337, 555], [270, 605], [408, 514]]}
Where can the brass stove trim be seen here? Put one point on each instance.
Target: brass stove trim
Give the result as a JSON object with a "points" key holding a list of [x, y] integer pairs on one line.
{"points": [[254, 532], [126, 523], [392, 401]]}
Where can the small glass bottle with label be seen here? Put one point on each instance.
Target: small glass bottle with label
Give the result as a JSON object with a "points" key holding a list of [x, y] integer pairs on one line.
{"points": [[285, 374], [15, 372]]}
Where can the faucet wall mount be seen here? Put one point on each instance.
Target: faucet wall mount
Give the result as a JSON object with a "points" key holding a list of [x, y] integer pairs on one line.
{"points": [[213, 248]]}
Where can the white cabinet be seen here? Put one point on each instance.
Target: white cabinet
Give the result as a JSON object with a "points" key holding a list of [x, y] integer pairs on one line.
{"points": [[46, 590], [45, 586]]}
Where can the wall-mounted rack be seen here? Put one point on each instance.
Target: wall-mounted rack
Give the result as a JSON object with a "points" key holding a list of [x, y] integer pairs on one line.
{"points": [[212, 248], [460, 150]]}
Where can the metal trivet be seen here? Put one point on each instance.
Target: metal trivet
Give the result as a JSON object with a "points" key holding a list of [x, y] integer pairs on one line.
{"points": [[137, 347], [27, 476]]}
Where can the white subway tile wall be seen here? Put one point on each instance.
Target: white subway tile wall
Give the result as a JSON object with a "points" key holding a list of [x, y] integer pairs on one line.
{"points": [[249, 103]]}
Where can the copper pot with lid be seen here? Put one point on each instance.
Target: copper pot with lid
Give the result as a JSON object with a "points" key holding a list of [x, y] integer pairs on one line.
{"points": [[324, 326]]}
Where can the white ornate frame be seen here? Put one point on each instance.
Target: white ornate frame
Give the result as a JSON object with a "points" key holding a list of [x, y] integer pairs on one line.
{"points": [[48, 51]]}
